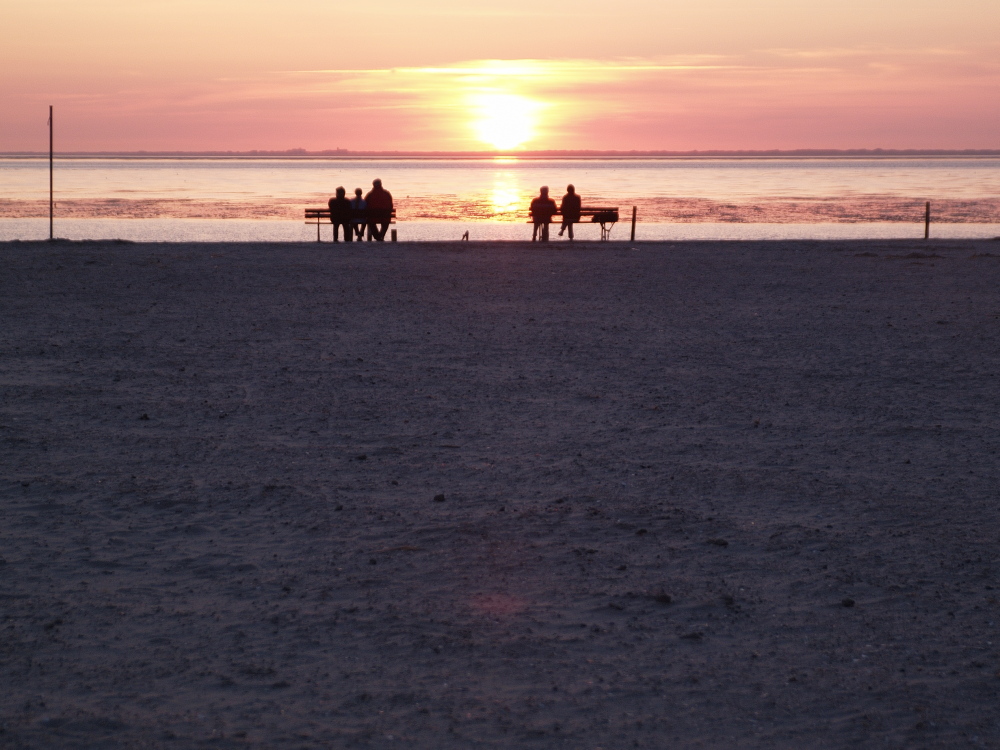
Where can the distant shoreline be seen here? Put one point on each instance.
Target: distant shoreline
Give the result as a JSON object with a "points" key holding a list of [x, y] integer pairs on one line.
{"points": [[527, 155]]}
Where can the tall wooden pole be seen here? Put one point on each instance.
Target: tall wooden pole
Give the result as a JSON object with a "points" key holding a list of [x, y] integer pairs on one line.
{"points": [[633, 223], [52, 203], [927, 221]]}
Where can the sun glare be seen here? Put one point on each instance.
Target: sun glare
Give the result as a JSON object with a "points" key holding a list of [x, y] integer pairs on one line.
{"points": [[506, 200], [504, 121]]}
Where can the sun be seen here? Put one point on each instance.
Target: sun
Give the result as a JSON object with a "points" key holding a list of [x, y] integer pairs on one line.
{"points": [[504, 121]]}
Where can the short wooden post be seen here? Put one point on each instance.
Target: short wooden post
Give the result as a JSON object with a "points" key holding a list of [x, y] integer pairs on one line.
{"points": [[393, 235], [318, 222], [633, 223], [927, 221]]}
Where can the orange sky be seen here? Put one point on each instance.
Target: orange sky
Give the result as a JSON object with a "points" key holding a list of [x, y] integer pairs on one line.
{"points": [[440, 75]]}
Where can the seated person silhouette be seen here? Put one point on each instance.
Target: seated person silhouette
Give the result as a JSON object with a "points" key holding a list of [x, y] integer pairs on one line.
{"points": [[340, 215], [570, 210], [358, 205], [379, 202], [542, 210]]}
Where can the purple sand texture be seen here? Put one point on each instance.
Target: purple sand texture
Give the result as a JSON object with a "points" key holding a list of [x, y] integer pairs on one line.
{"points": [[666, 469]]}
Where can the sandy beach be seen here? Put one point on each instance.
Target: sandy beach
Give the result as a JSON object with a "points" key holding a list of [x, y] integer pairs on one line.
{"points": [[463, 495]]}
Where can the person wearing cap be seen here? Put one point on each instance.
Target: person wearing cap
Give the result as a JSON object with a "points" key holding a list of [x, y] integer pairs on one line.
{"points": [[542, 210], [570, 210], [340, 215], [379, 202]]}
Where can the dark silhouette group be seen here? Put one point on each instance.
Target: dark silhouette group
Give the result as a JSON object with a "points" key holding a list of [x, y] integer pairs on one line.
{"points": [[372, 212], [543, 208]]}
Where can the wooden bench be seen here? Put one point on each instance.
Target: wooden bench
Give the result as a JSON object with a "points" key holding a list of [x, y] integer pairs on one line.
{"points": [[321, 216], [603, 215]]}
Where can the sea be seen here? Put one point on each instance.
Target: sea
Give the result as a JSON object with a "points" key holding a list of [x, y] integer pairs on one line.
{"points": [[225, 199]]}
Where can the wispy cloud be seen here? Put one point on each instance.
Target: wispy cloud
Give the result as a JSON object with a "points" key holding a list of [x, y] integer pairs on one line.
{"points": [[867, 52], [532, 68], [826, 97]]}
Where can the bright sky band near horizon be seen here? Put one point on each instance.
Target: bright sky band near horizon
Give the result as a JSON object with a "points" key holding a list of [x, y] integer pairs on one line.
{"points": [[443, 75]]}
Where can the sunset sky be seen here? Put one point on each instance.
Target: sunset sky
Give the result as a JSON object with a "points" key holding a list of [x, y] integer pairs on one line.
{"points": [[129, 75]]}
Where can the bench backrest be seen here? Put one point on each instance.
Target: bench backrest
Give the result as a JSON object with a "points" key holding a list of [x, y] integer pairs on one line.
{"points": [[598, 213], [354, 213]]}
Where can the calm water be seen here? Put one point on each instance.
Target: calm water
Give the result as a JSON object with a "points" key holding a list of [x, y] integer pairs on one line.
{"points": [[235, 199]]}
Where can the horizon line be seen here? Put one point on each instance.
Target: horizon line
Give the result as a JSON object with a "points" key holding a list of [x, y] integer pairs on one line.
{"points": [[540, 153]]}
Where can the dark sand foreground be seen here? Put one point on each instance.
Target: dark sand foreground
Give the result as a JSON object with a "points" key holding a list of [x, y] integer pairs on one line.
{"points": [[695, 495]]}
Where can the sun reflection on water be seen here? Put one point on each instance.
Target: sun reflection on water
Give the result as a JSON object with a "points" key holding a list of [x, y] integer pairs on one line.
{"points": [[505, 198]]}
